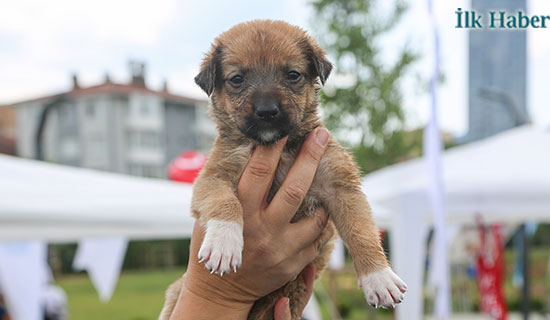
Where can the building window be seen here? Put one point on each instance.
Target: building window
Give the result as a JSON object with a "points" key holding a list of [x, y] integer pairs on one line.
{"points": [[97, 146], [150, 140], [145, 170], [67, 114], [68, 147], [144, 108], [149, 171], [90, 111], [144, 140], [134, 169]]}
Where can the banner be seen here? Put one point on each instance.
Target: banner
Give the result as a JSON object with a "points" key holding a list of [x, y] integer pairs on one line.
{"points": [[490, 271], [102, 258], [23, 275]]}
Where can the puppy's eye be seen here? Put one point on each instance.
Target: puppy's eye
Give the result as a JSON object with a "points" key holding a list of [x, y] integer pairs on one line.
{"points": [[293, 76], [236, 81]]}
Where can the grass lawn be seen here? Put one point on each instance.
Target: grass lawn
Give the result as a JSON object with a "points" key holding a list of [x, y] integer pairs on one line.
{"points": [[138, 296]]}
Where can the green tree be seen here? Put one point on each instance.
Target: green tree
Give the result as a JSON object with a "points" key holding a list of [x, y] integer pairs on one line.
{"points": [[364, 110]]}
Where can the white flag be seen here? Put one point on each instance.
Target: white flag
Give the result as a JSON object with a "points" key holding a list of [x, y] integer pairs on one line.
{"points": [[102, 258], [23, 275]]}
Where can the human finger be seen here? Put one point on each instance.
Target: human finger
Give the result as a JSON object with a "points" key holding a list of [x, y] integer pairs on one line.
{"points": [[258, 175], [309, 278], [306, 230], [298, 180], [282, 309], [307, 255], [194, 247]]}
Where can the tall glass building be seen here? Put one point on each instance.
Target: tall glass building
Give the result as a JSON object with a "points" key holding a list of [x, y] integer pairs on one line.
{"points": [[497, 72]]}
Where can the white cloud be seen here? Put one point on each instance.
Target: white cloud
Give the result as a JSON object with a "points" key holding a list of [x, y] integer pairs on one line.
{"points": [[42, 42], [138, 22], [50, 39]]}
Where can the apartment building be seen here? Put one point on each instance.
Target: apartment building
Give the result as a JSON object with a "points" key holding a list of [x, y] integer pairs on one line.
{"points": [[119, 127]]}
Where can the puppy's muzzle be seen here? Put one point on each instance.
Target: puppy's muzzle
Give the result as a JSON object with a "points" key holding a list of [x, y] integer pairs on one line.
{"points": [[267, 121], [267, 110]]}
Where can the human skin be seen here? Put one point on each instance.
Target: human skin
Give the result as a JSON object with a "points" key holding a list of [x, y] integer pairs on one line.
{"points": [[275, 250]]}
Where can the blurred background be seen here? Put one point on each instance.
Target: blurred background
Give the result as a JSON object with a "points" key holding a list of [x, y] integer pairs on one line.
{"points": [[108, 86]]}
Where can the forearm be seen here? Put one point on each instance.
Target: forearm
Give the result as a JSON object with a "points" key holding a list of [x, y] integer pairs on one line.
{"points": [[193, 304]]}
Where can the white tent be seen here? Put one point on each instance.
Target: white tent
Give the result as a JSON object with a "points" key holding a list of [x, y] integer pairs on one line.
{"points": [[50, 202], [42, 202], [505, 178]]}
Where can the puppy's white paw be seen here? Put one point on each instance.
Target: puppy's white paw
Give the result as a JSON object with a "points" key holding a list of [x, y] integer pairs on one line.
{"points": [[383, 288], [222, 247]]}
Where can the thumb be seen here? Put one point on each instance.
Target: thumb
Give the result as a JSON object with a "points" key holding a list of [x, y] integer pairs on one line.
{"points": [[282, 309]]}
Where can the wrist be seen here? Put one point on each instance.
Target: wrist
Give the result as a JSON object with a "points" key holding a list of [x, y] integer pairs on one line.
{"points": [[197, 303]]}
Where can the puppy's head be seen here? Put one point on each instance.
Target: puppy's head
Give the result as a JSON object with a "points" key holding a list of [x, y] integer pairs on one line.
{"points": [[262, 77]]}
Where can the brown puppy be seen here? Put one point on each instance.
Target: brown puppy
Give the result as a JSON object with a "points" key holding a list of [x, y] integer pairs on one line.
{"points": [[263, 79]]}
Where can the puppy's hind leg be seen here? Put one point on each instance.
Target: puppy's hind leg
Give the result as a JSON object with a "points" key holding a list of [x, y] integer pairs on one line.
{"points": [[172, 294], [295, 291]]}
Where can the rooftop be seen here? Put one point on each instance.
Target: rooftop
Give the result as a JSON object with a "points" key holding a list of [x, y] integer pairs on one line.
{"points": [[136, 85]]}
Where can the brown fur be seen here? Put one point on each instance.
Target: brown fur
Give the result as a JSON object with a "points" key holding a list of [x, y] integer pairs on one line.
{"points": [[264, 48]]}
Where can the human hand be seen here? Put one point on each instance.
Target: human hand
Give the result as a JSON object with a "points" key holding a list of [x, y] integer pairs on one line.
{"points": [[275, 250]]}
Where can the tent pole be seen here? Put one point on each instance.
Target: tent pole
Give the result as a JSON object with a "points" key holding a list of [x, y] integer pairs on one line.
{"points": [[525, 258]]}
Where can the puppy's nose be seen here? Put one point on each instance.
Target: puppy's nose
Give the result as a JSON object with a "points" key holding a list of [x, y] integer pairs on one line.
{"points": [[267, 111]]}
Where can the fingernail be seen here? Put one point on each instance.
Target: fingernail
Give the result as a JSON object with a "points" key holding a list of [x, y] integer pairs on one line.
{"points": [[322, 137], [287, 302]]}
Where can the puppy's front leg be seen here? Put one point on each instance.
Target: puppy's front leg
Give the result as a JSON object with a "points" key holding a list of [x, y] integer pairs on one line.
{"points": [[219, 211]]}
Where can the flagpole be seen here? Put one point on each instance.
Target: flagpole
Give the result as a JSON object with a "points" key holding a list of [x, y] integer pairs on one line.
{"points": [[432, 154]]}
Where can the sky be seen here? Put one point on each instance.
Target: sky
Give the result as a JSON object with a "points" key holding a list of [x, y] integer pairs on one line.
{"points": [[43, 42]]}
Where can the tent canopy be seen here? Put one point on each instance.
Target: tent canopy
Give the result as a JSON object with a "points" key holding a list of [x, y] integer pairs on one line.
{"points": [[503, 178], [50, 202]]}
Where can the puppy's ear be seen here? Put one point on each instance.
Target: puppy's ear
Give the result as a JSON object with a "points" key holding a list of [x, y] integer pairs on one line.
{"points": [[206, 79], [321, 66]]}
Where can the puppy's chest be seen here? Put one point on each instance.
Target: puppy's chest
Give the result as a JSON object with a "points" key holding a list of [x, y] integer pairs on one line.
{"points": [[317, 193]]}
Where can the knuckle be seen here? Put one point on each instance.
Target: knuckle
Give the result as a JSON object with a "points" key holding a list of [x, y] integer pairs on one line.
{"points": [[259, 170], [289, 271], [293, 194], [320, 222], [318, 245], [314, 154], [311, 252], [271, 257], [264, 249]]}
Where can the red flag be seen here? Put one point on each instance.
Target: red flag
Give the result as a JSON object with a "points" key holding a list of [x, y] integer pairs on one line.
{"points": [[490, 271]]}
